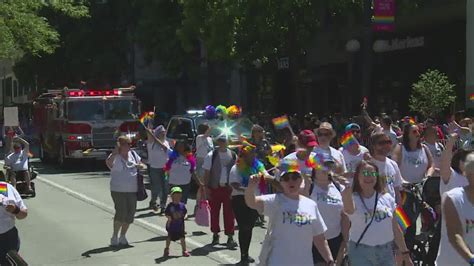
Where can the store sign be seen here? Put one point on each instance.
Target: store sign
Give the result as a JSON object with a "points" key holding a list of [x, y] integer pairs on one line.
{"points": [[381, 46], [384, 15]]}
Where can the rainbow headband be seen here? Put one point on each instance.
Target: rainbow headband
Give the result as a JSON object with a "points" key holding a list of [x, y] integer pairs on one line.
{"points": [[348, 140]]}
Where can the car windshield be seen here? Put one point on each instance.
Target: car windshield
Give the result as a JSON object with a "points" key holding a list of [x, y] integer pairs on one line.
{"points": [[102, 110], [233, 128]]}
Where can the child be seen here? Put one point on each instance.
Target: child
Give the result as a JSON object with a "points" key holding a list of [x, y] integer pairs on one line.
{"points": [[175, 212]]}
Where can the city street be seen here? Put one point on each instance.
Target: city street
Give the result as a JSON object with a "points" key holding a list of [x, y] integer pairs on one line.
{"points": [[70, 222]]}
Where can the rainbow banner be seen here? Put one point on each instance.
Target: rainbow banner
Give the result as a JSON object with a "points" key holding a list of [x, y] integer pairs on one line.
{"points": [[3, 189], [384, 15], [402, 218], [348, 140], [281, 122]]}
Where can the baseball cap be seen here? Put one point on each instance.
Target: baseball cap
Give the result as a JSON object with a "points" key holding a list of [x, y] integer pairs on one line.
{"points": [[176, 190], [286, 166], [307, 138], [352, 126]]}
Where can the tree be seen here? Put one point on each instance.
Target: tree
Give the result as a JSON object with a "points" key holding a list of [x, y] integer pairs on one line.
{"points": [[432, 93], [23, 28]]}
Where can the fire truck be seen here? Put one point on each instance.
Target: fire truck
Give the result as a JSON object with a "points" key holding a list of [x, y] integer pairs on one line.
{"points": [[75, 124]]}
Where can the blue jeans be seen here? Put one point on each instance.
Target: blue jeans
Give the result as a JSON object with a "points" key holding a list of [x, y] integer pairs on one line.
{"points": [[364, 255], [159, 186], [185, 188]]}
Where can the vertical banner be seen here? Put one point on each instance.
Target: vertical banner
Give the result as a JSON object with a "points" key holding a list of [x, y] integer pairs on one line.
{"points": [[384, 15]]}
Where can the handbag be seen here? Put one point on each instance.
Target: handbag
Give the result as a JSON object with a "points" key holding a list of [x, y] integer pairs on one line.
{"points": [[267, 241], [141, 191], [203, 212]]}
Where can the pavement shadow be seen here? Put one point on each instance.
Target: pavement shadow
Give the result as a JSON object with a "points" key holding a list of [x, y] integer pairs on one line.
{"points": [[164, 259], [206, 250], [95, 251], [145, 215], [154, 239]]}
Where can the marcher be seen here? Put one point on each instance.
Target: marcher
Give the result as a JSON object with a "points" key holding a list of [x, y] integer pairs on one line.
{"points": [[387, 129], [326, 134], [263, 146], [452, 166], [175, 212], [355, 153], [158, 148], [373, 228], [295, 220], [457, 237], [436, 148], [123, 164], [12, 208], [17, 161], [204, 145], [217, 166]]}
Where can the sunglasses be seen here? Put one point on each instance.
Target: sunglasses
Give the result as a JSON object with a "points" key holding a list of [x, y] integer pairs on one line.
{"points": [[385, 142], [370, 173], [287, 177]]}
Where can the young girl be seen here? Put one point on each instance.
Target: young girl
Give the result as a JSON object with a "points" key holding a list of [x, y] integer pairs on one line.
{"points": [[175, 212]]}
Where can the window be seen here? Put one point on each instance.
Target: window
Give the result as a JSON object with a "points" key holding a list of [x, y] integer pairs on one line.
{"points": [[180, 126], [121, 109]]}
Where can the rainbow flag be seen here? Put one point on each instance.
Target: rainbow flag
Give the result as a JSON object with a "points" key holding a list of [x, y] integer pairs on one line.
{"points": [[471, 96], [409, 120], [146, 116], [348, 140], [402, 218], [281, 122], [315, 162], [3, 189]]}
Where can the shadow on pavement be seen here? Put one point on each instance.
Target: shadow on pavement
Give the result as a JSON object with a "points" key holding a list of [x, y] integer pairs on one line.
{"points": [[155, 239], [205, 250], [88, 253], [164, 259], [145, 215]]}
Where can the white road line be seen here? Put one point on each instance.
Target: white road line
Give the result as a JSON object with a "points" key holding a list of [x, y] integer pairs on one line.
{"points": [[218, 256]]}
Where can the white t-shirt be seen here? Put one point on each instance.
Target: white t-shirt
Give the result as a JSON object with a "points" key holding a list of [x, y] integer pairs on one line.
{"points": [[225, 158], [295, 223], [203, 146], [392, 135], [305, 170], [389, 169], [235, 177], [335, 154], [180, 172], [456, 180], [18, 161], [414, 165], [380, 231], [353, 160], [123, 176], [436, 151], [330, 206], [157, 156], [447, 255], [7, 220]]}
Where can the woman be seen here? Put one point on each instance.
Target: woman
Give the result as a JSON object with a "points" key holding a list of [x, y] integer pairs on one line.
{"points": [[452, 166], [295, 220], [123, 164], [204, 145], [457, 237], [12, 208], [371, 211], [326, 134], [180, 168], [247, 164], [436, 148], [158, 149], [263, 146], [327, 195]]}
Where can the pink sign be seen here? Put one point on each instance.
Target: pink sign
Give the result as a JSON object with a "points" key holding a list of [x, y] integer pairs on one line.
{"points": [[384, 15]]}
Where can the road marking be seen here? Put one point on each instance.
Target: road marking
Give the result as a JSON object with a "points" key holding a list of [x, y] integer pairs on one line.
{"points": [[218, 256]]}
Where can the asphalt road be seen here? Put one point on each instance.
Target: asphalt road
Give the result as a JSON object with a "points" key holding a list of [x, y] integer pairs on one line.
{"points": [[70, 223]]}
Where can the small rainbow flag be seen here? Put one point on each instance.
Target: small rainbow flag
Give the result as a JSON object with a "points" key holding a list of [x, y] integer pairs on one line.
{"points": [[348, 140], [471, 96], [3, 189], [281, 122], [315, 162], [402, 218], [146, 116], [409, 120]]}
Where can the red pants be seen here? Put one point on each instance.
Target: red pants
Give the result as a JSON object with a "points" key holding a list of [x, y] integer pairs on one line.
{"points": [[221, 196]]}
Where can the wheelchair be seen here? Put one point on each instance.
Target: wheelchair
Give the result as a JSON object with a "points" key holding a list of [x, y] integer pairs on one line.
{"points": [[21, 185]]}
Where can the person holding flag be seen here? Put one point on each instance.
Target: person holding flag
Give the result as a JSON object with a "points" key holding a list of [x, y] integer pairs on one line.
{"points": [[326, 134], [352, 151]]}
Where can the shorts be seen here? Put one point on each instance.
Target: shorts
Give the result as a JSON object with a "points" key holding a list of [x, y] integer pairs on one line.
{"points": [[125, 204], [8, 241]]}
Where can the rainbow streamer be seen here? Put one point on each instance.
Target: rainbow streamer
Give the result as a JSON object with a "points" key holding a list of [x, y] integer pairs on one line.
{"points": [[281, 122], [348, 140], [402, 218], [3, 189], [315, 162]]}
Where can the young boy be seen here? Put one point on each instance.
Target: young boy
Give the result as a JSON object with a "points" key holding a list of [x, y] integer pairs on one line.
{"points": [[175, 212]]}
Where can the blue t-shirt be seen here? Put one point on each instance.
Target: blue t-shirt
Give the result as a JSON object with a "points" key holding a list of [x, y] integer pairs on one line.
{"points": [[177, 213]]}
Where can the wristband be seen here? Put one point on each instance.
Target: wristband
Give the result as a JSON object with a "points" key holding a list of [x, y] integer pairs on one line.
{"points": [[17, 210]]}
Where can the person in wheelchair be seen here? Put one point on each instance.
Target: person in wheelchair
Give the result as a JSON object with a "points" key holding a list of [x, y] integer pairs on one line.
{"points": [[16, 163]]}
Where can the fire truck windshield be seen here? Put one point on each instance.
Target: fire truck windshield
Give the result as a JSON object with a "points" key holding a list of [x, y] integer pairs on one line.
{"points": [[102, 110]]}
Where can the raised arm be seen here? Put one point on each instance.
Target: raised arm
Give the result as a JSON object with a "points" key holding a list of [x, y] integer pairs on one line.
{"points": [[347, 200], [251, 200], [446, 156]]}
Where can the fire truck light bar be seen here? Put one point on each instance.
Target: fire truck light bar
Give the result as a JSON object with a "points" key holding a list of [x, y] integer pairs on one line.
{"points": [[81, 93]]}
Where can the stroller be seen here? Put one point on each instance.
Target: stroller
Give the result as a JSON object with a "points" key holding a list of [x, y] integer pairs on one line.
{"points": [[21, 186]]}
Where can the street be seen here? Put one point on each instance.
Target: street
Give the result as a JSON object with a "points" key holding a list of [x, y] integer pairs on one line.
{"points": [[70, 222]]}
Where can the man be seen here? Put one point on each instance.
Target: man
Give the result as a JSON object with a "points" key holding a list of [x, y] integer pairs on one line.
{"points": [[17, 161], [326, 134], [388, 168], [388, 130], [355, 130], [354, 154], [217, 165]]}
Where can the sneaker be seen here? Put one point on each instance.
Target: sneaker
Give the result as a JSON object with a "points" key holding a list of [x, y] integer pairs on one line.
{"points": [[123, 241], [114, 241], [215, 239], [246, 260], [231, 243], [153, 206], [162, 211], [186, 253], [166, 253]]}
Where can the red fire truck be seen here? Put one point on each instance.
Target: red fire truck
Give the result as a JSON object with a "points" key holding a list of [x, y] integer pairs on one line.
{"points": [[83, 124]]}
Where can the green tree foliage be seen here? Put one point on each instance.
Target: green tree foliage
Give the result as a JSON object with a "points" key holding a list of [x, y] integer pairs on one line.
{"points": [[23, 28], [432, 93]]}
